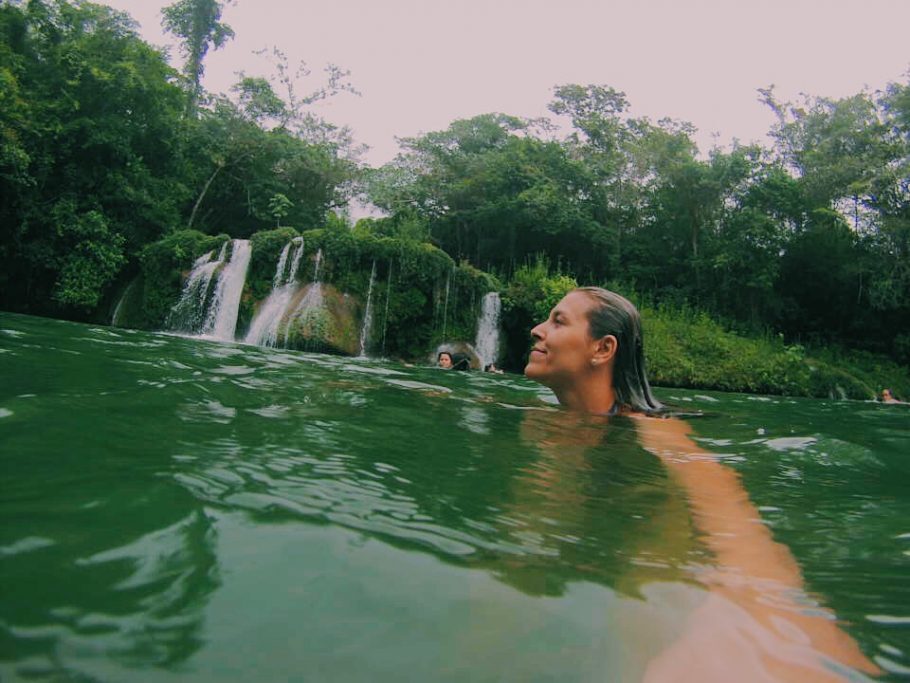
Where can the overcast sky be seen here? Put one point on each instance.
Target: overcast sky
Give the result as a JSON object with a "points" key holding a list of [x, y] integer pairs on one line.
{"points": [[421, 64]]}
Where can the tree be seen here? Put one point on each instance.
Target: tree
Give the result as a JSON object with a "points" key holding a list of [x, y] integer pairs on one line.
{"points": [[279, 205], [852, 156], [247, 149], [600, 140], [819, 282], [836, 146], [494, 195], [89, 137], [238, 166], [760, 215], [197, 23]]}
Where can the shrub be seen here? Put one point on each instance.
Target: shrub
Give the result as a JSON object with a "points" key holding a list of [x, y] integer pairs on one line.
{"points": [[526, 301]]}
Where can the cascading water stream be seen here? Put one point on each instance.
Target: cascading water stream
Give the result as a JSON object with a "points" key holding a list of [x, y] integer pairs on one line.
{"points": [[189, 312], [388, 298], [295, 261], [278, 280], [264, 328], [487, 342], [445, 307], [117, 317], [311, 301], [221, 320], [436, 300], [367, 315]]}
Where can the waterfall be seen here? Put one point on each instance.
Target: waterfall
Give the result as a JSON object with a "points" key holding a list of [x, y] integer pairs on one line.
{"points": [[295, 262], [367, 314], [221, 319], [388, 297], [278, 280], [436, 298], [311, 301], [487, 342], [116, 319], [189, 311], [445, 307], [316, 267], [264, 328]]}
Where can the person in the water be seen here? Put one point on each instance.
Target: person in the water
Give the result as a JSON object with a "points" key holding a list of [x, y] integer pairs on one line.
{"points": [[591, 354], [888, 397], [444, 360], [757, 621]]}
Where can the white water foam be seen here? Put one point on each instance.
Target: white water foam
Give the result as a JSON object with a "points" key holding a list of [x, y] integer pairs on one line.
{"points": [[221, 319]]}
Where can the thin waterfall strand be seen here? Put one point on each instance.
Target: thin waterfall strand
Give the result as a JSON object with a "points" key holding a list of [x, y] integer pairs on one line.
{"points": [[445, 307], [388, 298], [278, 280], [295, 261], [487, 342], [117, 318], [367, 314]]}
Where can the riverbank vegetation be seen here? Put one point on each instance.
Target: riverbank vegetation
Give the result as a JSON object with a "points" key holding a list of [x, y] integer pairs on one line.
{"points": [[689, 348], [801, 248]]}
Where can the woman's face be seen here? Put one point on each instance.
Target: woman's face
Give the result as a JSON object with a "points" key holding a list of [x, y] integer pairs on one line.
{"points": [[444, 361], [562, 348]]}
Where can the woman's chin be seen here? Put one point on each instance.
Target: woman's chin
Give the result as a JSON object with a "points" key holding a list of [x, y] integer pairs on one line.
{"points": [[535, 370]]}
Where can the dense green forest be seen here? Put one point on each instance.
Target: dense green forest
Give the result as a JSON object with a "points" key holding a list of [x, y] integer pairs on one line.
{"points": [[105, 148]]}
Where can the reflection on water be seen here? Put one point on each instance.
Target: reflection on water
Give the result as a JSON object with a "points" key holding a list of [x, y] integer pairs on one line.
{"points": [[97, 573], [185, 509]]}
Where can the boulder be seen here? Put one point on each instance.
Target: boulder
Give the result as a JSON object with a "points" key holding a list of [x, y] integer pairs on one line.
{"points": [[324, 319]]}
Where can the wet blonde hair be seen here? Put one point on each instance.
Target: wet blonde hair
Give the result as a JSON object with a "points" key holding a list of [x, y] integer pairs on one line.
{"points": [[614, 314]]}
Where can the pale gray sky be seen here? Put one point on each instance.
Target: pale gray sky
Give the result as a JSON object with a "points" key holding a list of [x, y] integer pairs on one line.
{"points": [[421, 64]]}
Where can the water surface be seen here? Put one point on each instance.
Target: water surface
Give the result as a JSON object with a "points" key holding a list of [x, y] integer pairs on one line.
{"points": [[181, 509]]}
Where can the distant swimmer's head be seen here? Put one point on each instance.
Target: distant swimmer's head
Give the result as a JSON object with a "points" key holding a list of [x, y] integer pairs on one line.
{"points": [[590, 350], [888, 397], [444, 360]]}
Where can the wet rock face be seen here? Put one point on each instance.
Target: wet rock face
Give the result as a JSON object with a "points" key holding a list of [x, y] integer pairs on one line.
{"points": [[324, 319]]}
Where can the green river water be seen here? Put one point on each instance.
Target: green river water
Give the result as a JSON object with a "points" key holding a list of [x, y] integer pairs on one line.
{"points": [[176, 509]]}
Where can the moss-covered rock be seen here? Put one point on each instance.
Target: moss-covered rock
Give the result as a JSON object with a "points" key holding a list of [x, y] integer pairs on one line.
{"points": [[324, 319], [420, 297]]}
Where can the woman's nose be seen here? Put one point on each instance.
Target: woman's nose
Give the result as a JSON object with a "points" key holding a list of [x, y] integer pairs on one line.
{"points": [[537, 331]]}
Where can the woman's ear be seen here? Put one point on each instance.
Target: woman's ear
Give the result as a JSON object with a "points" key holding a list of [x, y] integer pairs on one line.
{"points": [[606, 350]]}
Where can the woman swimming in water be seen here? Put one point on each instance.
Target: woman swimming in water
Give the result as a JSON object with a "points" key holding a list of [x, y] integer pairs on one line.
{"points": [[758, 622], [591, 354]]}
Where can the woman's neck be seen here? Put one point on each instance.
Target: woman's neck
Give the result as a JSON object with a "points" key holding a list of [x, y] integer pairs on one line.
{"points": [[592, 395]]}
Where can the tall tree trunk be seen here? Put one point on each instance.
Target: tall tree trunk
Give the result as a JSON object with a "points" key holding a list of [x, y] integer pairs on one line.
{"points": [[202, 194]]}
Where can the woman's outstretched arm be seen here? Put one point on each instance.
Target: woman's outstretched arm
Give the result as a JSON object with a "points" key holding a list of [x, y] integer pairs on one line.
{"points": [[758, 622]]}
